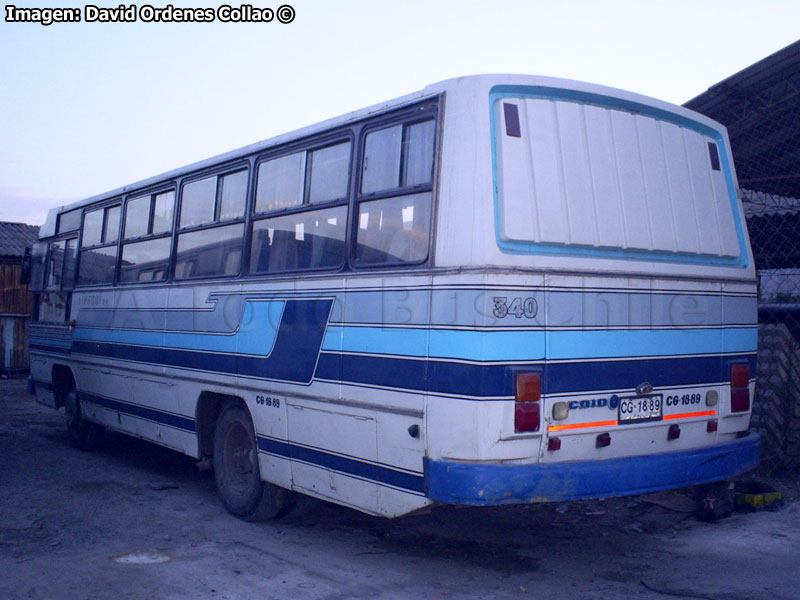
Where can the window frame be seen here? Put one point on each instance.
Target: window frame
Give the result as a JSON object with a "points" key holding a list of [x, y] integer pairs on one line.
{"points": [[62, 229], [308, 147], [151, 193], [218, 171], [419, 113], [116, 202]]}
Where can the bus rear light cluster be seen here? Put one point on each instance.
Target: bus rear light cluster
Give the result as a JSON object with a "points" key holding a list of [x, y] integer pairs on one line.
{"points": [[740, 390], [527, 408]]}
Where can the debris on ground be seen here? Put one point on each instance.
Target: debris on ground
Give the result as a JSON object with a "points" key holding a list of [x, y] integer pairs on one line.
{"points": [[671, 500]]}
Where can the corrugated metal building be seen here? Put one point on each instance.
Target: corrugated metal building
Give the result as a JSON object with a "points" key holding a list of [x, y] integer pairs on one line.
{"points": [[15, 299]]}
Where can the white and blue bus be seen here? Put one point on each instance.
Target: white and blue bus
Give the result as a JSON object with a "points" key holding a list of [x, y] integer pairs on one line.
{"points": [[499, 289]]}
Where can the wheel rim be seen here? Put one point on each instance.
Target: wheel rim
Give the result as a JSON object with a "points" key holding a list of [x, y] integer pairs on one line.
{"points": [[239, 457]]}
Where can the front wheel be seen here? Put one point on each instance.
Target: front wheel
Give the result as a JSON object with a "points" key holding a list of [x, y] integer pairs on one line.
{"points": [[236, 469], [83, 434]]}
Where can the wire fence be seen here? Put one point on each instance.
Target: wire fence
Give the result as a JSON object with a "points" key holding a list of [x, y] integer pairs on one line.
{"points": [[774, 225]]}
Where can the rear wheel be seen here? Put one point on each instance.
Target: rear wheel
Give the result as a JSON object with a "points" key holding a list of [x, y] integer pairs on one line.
{"points": [[83, 434], [236, 469]]}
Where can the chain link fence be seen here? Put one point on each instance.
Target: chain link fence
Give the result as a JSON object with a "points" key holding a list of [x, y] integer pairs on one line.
{"points": [[760, 106], [774, 225]]}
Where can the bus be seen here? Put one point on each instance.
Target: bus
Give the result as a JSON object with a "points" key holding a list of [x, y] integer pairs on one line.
{"points": [[499, 289]]}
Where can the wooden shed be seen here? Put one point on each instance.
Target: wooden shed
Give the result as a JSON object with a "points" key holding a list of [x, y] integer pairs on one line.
{"points": [[15, 299]]}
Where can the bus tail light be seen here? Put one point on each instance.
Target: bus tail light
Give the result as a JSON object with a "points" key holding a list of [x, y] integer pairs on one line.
{"points": [[527, 409], [740, 390]]}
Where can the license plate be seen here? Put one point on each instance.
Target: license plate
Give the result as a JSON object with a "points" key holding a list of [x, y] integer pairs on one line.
{"points": [[637, 409]]}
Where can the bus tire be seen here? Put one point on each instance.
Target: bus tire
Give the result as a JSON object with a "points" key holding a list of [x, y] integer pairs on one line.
{"points": [[236, 471], [83, 434]]}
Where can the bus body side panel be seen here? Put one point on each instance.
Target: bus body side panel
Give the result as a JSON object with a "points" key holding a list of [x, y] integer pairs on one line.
{"points": [[331, 378], [118, 352]]}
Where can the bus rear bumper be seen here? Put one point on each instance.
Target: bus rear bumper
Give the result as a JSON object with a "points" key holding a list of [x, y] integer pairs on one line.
{"points": [[454, 482]]}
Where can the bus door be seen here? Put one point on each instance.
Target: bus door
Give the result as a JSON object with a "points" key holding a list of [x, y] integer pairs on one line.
{"points": [[53, 278]]}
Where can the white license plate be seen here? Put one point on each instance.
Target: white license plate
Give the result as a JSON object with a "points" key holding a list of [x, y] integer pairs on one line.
{"points": [[636, 409]]}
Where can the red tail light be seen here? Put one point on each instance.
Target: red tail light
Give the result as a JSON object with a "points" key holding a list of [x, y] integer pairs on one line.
{"points": [[740, 390], [740, 376], [527, 410]]}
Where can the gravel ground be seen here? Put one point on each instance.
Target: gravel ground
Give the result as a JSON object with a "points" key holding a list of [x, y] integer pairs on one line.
{"points": [[133, 520]]}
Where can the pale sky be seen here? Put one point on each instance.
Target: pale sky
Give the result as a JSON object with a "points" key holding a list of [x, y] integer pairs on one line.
{"points": [[89, 107]]}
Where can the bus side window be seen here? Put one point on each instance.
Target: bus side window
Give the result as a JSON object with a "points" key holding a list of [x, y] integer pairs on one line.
{"points": [[393, 225], [147, 237], [98, 255], [209, 245], [312, 235]]}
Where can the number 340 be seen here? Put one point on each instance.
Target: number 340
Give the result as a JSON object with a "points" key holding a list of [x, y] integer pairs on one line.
{"points": [[519, 307]]}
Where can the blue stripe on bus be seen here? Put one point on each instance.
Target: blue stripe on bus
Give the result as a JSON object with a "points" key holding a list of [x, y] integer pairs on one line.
{"points": [[530, 345], [292, 357], [442, 343], [293, 361], [50, 341], [255, 334], [344, 464], [497, 381], [144, 412], [649, 342], [47, 346]]}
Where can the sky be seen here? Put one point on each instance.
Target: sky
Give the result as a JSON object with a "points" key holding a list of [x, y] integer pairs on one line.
{"points": [[89, 107]]}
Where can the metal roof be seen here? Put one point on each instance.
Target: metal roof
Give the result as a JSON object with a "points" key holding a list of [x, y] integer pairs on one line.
{"points": [[15, 237], [760, 106]]}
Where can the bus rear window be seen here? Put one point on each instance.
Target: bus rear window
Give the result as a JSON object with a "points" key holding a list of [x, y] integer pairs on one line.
{"points": [[598, 177]]}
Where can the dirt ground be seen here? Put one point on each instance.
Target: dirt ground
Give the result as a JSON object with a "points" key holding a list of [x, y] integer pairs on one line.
{"points": [[133, 520]]}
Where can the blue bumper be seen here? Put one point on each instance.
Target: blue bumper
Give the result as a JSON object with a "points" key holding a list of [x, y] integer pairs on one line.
{"points": [[492, 483]]}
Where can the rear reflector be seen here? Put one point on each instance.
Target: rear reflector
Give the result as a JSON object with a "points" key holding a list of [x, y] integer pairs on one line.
{"points": [[674, 432], [740, 390], [712, 426], [603, 440], [527, 410], [554, 444]]}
